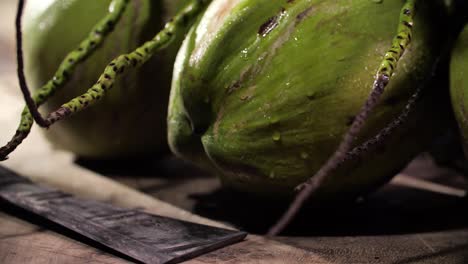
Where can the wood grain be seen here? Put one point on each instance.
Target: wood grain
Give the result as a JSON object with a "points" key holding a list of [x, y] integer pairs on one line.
{"points": [[22, 242]]}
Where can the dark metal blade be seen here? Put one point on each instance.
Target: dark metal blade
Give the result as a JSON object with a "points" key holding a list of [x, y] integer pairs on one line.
{"points": [[144, 237]]}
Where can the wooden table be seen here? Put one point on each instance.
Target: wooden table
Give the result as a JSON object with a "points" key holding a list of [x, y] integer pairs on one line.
{"points": [[395, 225]]}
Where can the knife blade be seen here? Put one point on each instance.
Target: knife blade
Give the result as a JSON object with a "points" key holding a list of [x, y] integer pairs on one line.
{"points": [[142, 236]]}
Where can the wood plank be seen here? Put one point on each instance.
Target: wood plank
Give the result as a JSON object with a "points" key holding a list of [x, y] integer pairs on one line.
{"points": [[23, 242]]}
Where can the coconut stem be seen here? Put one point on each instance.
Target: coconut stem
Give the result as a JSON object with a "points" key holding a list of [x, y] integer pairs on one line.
{"points": [[122, 63], [386, 131], [400, 43], [61, 76], [20, 68]]}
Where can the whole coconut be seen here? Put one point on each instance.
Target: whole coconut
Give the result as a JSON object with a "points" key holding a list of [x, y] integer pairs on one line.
{"points": [[130, 121], [263, 91]]}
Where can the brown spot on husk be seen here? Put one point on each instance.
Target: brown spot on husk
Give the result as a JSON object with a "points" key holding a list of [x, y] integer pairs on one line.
{"points": [[268, 26], [304, 14], [219, 116]]}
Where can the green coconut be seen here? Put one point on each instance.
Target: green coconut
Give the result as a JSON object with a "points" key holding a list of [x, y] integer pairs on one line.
{"points": [[263, 91], [131, 120], [459, 84]]}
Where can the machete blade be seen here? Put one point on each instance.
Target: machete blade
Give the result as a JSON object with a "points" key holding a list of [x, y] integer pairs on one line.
{"points": [[142, 236]]}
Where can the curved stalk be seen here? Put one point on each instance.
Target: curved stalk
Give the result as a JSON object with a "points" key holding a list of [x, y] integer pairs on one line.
{"points": [[93, 41], [400, 43]]}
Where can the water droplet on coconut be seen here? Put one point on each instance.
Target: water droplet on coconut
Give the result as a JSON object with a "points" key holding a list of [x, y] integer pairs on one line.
{"points": [[272, 174], [304, 155], [244, 54], [276, 136], [244, 97], [311, 95], [274, 120]]}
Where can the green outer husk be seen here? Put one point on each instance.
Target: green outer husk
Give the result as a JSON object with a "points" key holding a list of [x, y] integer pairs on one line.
{"points": [[459, 84], [61, 76], [136, 109], [268, 109]]}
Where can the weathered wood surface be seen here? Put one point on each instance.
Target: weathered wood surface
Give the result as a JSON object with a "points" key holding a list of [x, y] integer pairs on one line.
{"points": [[22, 242]]}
